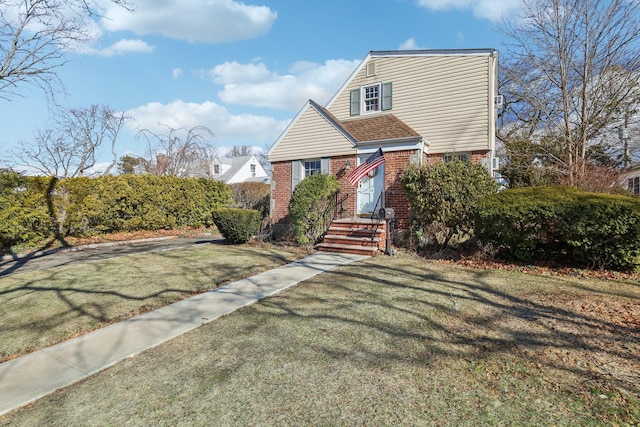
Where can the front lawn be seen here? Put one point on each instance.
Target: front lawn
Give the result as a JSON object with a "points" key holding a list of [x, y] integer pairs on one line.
{"points": [[386, 341], [42, 308]]}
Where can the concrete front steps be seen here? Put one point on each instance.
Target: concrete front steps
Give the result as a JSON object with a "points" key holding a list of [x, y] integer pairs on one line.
{"points": [[360, 236]]}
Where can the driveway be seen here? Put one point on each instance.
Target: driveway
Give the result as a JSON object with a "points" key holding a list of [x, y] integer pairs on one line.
{"points": [[81, 254]]}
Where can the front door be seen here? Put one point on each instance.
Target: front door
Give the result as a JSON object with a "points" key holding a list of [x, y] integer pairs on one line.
{"points": [[369, 190]]}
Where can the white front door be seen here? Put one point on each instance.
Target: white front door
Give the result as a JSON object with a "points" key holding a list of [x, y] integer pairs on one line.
{"points": [[369, 190]]}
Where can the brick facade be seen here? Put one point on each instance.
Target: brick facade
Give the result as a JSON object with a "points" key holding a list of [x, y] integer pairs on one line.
{"points": [[396, 163]]}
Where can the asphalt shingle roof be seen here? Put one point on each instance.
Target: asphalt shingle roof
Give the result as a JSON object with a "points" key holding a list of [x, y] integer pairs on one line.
{"points": [[377, 128]]}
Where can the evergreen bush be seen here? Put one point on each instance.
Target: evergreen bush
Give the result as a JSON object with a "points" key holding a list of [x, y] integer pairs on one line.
{"points": [[443, 197], [237, 225], [562, 224], [34, 209], [310, 207]]}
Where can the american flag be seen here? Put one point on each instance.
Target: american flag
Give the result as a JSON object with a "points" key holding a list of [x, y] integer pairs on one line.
{"points": [[374, 160]]}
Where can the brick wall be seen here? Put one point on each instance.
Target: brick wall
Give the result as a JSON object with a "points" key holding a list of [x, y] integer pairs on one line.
{"points": [[338, 170], [396, 163], [280, 193]]}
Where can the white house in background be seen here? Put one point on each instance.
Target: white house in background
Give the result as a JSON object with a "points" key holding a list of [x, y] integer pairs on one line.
{"points": [[630, 179], [238, 169]]}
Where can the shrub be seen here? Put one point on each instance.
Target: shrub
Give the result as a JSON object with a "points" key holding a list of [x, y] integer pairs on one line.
{"points": [[33, 209], [443, 197], [562, 224], [252, 195], [237, 225], [310, 207], [24, 218]]}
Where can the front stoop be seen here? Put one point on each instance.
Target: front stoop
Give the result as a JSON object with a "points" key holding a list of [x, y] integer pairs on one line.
{"points": [[360, 236]]}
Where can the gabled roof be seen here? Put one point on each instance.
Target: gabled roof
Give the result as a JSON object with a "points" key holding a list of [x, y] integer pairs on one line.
{"points": [[332, 119], [236, 164]]}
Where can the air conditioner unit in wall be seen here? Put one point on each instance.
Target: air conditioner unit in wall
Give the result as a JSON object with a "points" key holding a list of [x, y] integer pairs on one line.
{"points": [[498, 100]]}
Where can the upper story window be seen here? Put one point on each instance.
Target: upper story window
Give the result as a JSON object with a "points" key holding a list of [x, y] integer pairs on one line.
{"points": [[216, 169], [253, 170], [371, 98], [312, 167]]}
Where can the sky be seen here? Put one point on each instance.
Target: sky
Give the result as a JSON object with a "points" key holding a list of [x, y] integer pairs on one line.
{"points": [[242, 69]]}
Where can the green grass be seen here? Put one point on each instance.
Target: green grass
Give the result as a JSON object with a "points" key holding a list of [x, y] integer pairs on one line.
{"points": [[385, 342]]}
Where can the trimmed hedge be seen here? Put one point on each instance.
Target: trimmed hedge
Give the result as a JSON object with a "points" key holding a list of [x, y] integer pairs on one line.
{"points": [[237, 225], [33, 209], [310, 207], [562, 224]]}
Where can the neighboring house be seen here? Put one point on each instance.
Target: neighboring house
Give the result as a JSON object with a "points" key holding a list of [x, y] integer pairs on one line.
{"points": [[232, 170], [420, 106], [630, 179]]}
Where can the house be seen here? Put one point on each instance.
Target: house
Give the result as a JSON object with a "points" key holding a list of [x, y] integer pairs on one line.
{"points": [[238, 169], [419, 106], [630, 179]]}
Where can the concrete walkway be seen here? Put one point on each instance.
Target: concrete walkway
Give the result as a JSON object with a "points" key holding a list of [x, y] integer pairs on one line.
{"points": [[37, 374]]}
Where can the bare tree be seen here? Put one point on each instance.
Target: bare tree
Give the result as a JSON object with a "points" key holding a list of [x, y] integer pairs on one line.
{"points": [[35, 36], [572, 69], [240, 151], [70, 147], [179, 152]]}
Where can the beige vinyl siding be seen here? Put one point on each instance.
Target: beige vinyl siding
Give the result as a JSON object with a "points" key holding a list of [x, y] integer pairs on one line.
{"points": [[444, 98], [312, 136]]}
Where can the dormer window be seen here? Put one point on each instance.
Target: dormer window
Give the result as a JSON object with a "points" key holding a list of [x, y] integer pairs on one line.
{"points": [[371, 98]]}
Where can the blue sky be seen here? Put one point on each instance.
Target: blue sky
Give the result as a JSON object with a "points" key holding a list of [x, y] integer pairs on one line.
{"points": [[243, 69]]}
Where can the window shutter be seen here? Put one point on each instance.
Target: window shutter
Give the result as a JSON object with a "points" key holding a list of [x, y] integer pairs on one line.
{"points": [[295, 173], [387, 90], [325, 166], [355, 102]]}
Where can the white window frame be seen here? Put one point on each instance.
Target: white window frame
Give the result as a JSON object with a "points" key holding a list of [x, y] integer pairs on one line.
{"points": [[253, 170], [463, 157], [377, 99]]}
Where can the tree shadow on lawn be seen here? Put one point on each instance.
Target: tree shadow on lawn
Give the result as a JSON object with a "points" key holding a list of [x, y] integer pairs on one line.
{"points": [[474, 318], [57, 305]]}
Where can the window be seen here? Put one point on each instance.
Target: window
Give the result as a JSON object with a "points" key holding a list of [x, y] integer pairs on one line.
{"points": [[216, 169], [300, 169], [463, 157], [633, 185], [311, 167], [253, 170], [371, 98]]}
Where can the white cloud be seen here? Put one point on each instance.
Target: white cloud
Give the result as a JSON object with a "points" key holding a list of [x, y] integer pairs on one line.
{"points": [[254, 85], [178, 114], [488, 9], [409, 44], [210, 21], [176, 72], [123, 47]]}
